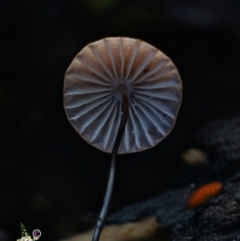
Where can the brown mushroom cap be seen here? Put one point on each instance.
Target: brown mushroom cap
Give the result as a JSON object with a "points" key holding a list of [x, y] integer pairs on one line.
{"points": [[98, 75]]}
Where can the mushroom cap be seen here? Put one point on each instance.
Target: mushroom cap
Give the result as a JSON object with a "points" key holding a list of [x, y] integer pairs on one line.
{"points": [[92, 98]]}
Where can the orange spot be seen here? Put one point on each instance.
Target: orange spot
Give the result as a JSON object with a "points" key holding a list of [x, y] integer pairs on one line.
{"points": [[202, 194]]}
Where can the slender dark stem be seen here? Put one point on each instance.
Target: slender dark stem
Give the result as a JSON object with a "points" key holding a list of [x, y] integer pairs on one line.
{"points": [[107, 198], [108, 194]]}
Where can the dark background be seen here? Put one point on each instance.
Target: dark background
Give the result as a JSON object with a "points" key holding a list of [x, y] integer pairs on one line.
{"points": [[50, 178]]}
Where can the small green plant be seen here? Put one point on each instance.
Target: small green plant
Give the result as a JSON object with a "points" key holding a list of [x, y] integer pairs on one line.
{"points": [[26, 237]]}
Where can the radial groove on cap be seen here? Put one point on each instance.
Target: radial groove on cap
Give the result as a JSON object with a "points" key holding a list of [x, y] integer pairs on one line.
{"points": [[93, 104], [96, 69]]}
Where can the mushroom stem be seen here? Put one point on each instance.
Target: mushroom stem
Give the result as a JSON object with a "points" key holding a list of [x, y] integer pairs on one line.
{"points": [[108, 194], [107, 198]]}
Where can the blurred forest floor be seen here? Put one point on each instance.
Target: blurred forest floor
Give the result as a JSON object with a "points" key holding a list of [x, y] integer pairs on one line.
{"points": [[51, 178]]}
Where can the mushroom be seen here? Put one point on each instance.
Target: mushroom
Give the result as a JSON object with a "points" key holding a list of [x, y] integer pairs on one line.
{"points": [[121, 95]]}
